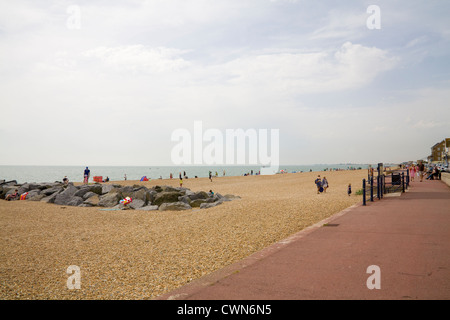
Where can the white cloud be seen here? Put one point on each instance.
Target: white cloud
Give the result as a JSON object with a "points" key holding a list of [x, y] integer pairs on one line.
{"points": [[338, 24], [138, 58], [350, 67], [427, 124], [17, 16], [417, 42]]}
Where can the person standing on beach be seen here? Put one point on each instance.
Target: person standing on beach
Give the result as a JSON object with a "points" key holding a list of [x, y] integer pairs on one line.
{"points": [[125, 176], [318, 183], [371, 172], [181, 182], [87, 173], [324, 184], [349, 190], [210, 176]]}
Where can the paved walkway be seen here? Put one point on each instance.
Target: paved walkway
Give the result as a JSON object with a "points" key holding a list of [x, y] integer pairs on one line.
{"points": [[407, 237]]}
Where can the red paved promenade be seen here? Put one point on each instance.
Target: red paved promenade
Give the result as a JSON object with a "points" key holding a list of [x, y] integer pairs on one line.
{"points": [[407, 237]]}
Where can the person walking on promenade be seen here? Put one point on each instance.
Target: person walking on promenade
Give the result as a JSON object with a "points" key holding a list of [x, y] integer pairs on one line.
{"points": [[421, 170], [412, 172], [87, 174]]}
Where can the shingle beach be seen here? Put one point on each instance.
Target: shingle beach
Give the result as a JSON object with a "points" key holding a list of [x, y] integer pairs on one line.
{"points": [[132, 254]]}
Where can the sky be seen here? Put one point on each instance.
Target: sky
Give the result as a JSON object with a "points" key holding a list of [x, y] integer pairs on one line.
{"points": [[101, 82]]}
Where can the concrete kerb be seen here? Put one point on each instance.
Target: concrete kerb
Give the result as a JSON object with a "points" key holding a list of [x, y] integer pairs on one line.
{"points": [[208, 280], [445, 178]]}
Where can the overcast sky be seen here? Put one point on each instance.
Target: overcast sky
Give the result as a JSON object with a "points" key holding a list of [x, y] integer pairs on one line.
{"points": [[108, 82]]}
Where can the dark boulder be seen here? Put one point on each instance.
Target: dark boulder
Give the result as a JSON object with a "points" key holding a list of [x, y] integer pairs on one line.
{"points": [[148, 208], [96, 188], [64, 197], [199, 195], [197, 202], [174, 206], [136, 203], [75, 201], [210, 205], [52, 190], [165, 197], [88, 195], [109, 200], [51, 198], [82, 191], [92, 200], [107, 188], [33, 193]]}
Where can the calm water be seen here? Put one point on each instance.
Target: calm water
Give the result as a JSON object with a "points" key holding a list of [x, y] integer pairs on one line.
{"points": [[75, 173]]}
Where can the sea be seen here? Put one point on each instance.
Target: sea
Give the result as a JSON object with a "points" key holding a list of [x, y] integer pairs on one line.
{"points": [[27, 174]]}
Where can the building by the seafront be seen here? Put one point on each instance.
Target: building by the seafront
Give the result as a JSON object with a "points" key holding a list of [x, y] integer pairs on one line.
{"points": [[440, 152]]}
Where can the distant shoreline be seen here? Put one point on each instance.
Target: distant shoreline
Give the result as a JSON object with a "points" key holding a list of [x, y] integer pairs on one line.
{"points": [[33, 173]]}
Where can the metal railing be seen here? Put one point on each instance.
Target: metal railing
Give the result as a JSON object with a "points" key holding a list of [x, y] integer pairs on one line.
{"points": [[376, 187]]}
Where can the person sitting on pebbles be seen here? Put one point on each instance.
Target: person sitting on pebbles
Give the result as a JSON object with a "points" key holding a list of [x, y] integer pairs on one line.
{"points": [[12, 196]]}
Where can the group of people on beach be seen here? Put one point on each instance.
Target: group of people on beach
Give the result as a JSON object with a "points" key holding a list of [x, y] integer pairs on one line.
{"points": [[321, 184], [87, 174]]}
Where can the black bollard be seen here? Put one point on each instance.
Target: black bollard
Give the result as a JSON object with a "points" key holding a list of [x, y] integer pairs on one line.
{"points": [[403, 182], [371, 189], [379, 187], [364, 192]]}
